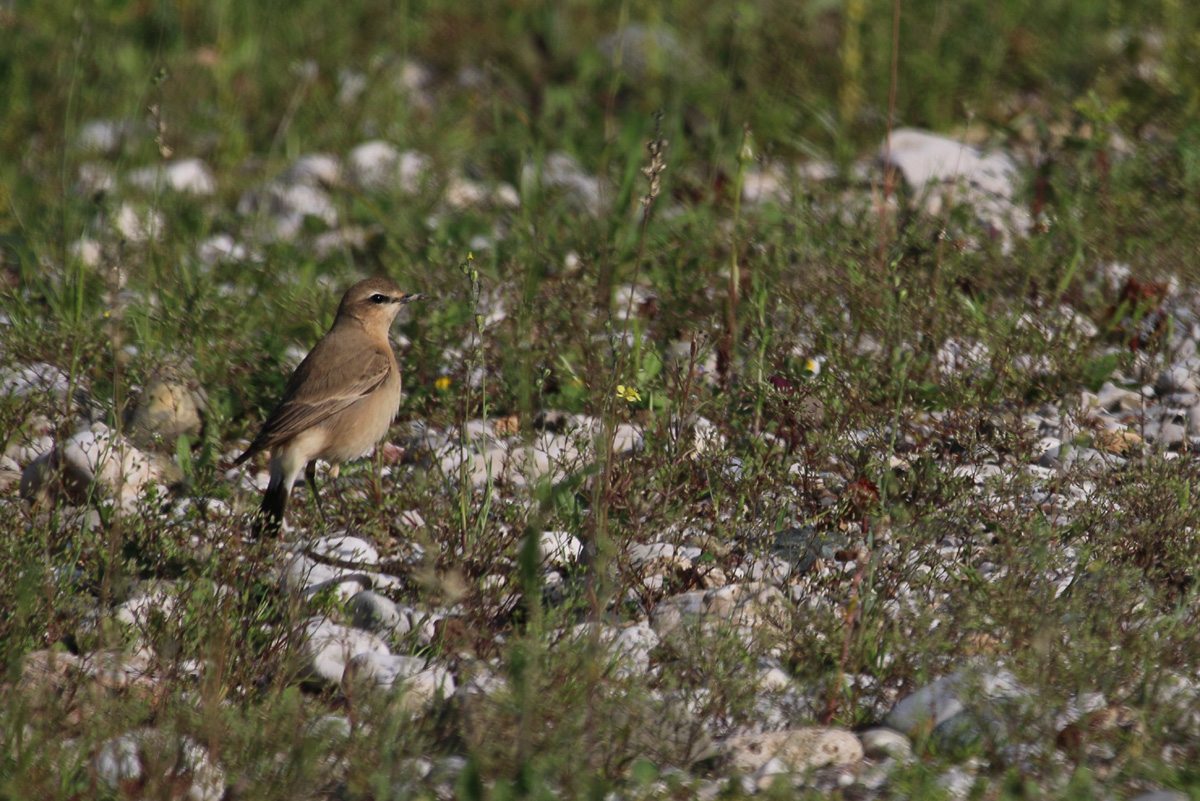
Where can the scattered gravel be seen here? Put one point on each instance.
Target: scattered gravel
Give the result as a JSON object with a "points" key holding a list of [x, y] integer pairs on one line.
{"points": [[771, 581]]}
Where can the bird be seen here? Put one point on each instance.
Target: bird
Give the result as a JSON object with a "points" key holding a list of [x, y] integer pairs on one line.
{"points": [[339, 402]]}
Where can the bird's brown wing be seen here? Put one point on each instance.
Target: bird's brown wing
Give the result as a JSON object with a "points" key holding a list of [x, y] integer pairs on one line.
{"points": [[311, 397]]}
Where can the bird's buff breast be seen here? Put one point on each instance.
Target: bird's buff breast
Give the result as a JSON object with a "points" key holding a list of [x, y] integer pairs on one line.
{"points": [[355, 433]]}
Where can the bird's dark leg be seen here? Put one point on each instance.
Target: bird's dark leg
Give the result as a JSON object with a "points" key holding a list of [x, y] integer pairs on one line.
{"points": [[269, 520], [310, 475]]}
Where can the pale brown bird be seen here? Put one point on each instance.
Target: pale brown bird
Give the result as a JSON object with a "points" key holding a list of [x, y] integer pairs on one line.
{"points": [[340, 401]]}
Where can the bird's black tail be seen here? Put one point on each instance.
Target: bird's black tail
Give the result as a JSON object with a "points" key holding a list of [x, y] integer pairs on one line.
{"points": [[269, 520]]}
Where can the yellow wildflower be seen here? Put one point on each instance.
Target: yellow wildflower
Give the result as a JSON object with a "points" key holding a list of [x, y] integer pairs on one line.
{"points": [[442, 383], [628, 394]]}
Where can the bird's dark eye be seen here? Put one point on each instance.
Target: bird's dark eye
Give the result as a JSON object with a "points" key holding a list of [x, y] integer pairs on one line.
{"points": [[378, 298]]}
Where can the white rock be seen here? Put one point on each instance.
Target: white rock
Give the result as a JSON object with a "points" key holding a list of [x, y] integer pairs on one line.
{"points": [[351, 85], [286, 205], [629, 647], [104, 136], [927, 159], [773, 679], [957, 356], [415, 79], [1082, 704], [632, 647], [380, 166], [562, 172], [769, 568], [643, 51], [558, 548], [957, 782], [796, 749], [1166, 434], [92, 456], [947, 697], [979, 473], [931, 164], [1178, 378], [345, 548], [373, 612], [154, 599], [165, 410], [411, 518], [330, 727], [767, 775], [189, 176], [771, 183], [382, 670], [303, 200], [883, 743], [137, 224], [744, 607], [627, 439], [87, 251], [655, 582], [480, 467], [328, 647], [118, 760], [428, 685], [36, 379], [651, 551], [314, 169], [95, 178], [222, 249], [483, 682], [463, 193], [506, 196], [426, 625], [421, 684], [372, 165], [308, 576], [207, 779]]}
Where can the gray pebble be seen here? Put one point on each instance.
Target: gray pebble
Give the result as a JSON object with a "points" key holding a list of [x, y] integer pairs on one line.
{"points": [[883, 743], [373, 612], [946, 699]]}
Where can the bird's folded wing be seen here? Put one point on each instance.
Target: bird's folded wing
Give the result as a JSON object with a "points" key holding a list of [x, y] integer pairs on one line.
{"points": [[311, 399]]}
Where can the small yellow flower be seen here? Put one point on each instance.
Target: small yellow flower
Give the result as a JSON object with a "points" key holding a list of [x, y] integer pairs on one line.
{"points": [[442, 383], [628, 394]]}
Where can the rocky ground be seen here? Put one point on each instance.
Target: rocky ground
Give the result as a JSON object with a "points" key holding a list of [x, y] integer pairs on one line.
{"points": [[754, 615]]}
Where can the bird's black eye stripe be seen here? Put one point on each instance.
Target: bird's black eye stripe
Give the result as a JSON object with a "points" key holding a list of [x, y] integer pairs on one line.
{"points": [[378, 298]]}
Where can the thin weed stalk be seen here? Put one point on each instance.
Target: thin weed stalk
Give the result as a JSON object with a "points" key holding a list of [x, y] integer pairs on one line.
{"points": [[476, 366], [745, 155], [600, 542], [889, 173]]}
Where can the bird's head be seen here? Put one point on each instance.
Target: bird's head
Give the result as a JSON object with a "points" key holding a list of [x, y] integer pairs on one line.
{"points": [[375, 301]]}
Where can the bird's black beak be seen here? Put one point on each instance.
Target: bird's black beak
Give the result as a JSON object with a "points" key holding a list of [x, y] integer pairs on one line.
{"points": [[412, 297]]}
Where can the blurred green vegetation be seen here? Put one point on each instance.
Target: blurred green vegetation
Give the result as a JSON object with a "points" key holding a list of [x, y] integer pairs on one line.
{"points": [[804, 75]]}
